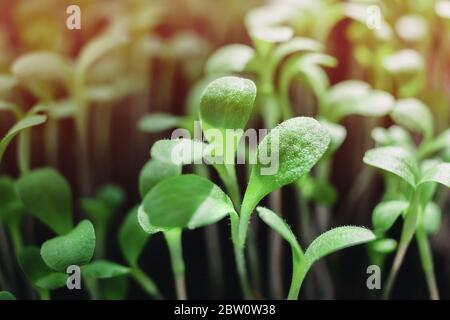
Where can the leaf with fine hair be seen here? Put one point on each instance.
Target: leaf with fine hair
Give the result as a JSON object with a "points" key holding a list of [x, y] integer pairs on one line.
{"points": [[226, 104], [414, 115], [132, 238], [336, 239], [396, 160], [158, 122], [25, 123], [103, 269], [439, 173], [232, 58], [46, 195], [296, 145], [386, 213], [186, 201], [75, 248], [155, 171], [281, 227]]}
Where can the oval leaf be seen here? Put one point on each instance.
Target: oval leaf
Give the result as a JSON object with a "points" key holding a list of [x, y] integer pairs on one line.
{"points": [[414, 115], [335, 240], [155, 171], [6, 295], [294, 147], [386, 213], [229, 59], [179, 151], [186, 201], [75, 248], [432, 217], [157, 122], [103, 269], [439, 174], [132, 238], [396, 160], [46, 194]]}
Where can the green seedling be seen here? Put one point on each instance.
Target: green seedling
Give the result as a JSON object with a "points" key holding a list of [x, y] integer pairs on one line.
{"points": [[202, 203], [327, 243], [6, 295], [101, 210], [417, 189]]}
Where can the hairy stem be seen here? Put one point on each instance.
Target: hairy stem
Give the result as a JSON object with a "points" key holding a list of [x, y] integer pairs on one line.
{"points": [[242, 271], [174, 242]]}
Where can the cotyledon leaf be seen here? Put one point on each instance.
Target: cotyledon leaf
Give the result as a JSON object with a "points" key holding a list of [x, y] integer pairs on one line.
{"points": [[439, 173], [386, 213], [132, 238], [103, 269], [25, 123], [180, 151], [155, 171], [396, 160], [186, 201], [6, 295], [335, 240], [414, 115], [75, 248], [226, 105], [232, 58], [432, 217], [46, 194], [157, 122], [294, 147]]}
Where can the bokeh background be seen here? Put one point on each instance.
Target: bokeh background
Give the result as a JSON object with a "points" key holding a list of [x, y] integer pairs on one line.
{"points": [[157, 69]]}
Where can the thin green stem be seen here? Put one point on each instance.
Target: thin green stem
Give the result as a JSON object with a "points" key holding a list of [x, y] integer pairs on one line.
{"points": [[426, 258], [242, 271], [174, 242], [23, 151], [44, 294], [408, 230], [299, 270], [51, 141], [145, 282]]}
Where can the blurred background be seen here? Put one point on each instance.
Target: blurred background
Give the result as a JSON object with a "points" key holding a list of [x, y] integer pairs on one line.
{"points": [[153, 60]]}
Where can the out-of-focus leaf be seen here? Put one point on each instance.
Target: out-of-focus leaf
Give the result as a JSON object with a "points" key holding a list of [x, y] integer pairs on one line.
{"points": [[6, 295], [386, 213], [439, 174], [155, 171], [158, 122], [232, 58], [432, 217], [103, 269], [132, 238], [414, 115], [180, 151]]}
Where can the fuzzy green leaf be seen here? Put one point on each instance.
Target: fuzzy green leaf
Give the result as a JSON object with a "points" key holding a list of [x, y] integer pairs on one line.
{"points": [[386, 213], [75, 248], [281, 227], [414, 115], [158, 122], [103, 269], [295, 146], [226, 105], [155, 171], [232, 58], [335, 240], [25, 123], [186, 201], [439, 173], [46, 194], [396, 160], [132, 238]]}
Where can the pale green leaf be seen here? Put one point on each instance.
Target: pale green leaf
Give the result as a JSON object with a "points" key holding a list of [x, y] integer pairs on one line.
{"points": [[132, 238], [396, 160], [155, 171], [439, 173], [186, 201], [335, 240], [414, 115], [386, 213], [432, 217], [25, 123], [103, 269], [232, 58], [180, 151], [158, 122]]}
